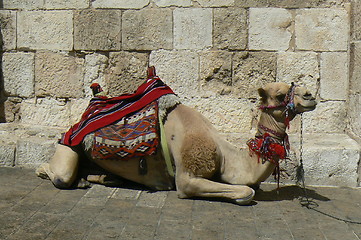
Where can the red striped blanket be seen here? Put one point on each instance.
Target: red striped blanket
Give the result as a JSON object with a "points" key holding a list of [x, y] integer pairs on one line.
{"points": [[103, 111]]}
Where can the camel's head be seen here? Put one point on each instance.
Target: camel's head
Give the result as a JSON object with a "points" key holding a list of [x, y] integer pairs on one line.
{"points": [[283, 99]]}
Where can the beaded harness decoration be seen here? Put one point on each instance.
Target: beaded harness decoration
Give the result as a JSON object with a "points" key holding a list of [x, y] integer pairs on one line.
{"points": [[266, 147]]}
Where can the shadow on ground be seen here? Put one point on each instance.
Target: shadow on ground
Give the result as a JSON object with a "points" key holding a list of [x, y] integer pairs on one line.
{"points": [[288, 193]]}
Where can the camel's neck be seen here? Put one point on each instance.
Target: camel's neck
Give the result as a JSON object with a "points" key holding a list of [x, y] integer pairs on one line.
{"points": [[267, 123], [241, 167]]}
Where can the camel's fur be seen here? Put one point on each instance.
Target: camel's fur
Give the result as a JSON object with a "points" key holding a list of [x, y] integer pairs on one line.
{"points": [[206, 165]]}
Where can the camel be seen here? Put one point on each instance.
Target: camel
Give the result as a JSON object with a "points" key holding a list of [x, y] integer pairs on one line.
{"points": [[206, 165]]}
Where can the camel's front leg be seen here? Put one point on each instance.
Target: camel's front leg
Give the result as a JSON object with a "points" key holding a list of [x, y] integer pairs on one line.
{"points": [[63, 167], [190, 186]]}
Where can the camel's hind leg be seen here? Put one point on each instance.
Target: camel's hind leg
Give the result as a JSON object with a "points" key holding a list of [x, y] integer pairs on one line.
{"points": [[63, 167], [198, 161]]}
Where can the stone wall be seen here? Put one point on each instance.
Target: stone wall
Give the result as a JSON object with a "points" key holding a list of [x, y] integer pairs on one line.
{"points": [[213, 53]]}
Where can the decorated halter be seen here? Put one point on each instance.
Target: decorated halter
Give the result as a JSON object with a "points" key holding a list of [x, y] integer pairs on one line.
{"points": [[265, 146], [288, 102]]}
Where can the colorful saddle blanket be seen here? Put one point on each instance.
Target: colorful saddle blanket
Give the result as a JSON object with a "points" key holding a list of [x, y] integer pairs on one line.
{"points": [[103, 111], [133, 136]]}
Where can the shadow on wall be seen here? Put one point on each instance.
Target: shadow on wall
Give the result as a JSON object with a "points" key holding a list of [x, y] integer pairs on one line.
{"points": [[2, 95]]}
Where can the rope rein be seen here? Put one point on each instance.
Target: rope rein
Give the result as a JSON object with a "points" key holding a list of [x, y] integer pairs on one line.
{"points": [[305, 200]]}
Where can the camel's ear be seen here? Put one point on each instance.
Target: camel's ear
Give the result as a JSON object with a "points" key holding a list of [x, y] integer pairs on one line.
{"points": [[263, 94]]}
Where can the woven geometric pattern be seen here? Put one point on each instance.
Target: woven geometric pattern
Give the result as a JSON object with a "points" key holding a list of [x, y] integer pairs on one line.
{"points": [[133, 136]]}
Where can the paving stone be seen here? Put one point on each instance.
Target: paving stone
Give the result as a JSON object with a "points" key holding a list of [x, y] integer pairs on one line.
{"points": [[322, 29], [52, 30], [97, 29], [126, 194], [269, 29], [37, 210], [110, 223], [152, 199], [192, 28], [147, 29]]}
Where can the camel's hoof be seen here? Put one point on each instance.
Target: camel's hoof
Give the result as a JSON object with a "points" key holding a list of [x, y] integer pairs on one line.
{"points": [[246, 200], [40, 172]]}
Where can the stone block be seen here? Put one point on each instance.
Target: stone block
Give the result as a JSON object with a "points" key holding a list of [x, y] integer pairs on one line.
{"points": [[331, 159], [58, 75], [354, 114], [124, 4], [251, 3], [97, 29], [216, 72], [299, 67], [8, 30], [95, 67], [334, 75], [18, 73], [126, 72], [290, 4], [76, 109], [45, 112], [7, 156], [228, 115], [355, 70], [328, 117], [51, 30], [171, 3], [216, 3], [356, 20], [152, 199], [230, 28], [252, 70], [269, 29], [147, 29], [34, 151], [11, 109], [192, 28], [178, 69], [66, 4], [322, 29], [23, 5]]}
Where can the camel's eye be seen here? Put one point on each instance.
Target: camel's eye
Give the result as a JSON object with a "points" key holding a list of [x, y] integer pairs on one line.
{"points": [[281, 97]]}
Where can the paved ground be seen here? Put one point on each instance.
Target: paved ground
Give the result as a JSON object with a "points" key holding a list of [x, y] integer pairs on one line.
{"points": [[31, 208]]}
